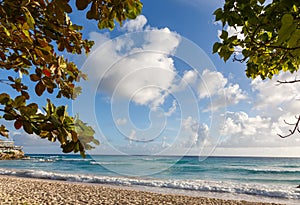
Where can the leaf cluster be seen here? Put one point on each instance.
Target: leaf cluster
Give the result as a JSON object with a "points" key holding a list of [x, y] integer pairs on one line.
{"points": [[107, 11], [53, 124], [271, 35], [32, 34]]}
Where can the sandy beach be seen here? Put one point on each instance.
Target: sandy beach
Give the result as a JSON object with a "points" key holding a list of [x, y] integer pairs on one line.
{"points": [[14, 190]]}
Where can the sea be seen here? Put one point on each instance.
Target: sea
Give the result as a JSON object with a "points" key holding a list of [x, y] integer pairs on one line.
{"points": [[241, 178]]}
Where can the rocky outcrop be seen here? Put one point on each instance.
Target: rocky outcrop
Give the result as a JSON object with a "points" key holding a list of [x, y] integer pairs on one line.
{"points": [[12, 154]]}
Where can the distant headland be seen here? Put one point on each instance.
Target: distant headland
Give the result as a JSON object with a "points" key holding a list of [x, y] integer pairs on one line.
{"points": [[8, 151]]}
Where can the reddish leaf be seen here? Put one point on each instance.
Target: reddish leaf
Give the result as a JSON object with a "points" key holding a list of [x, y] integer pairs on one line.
{"points": [[18, 124], [25, 94], [11, 79], [82, 4], [61, 46], [50, 90], [47, 73], [40, 88], [43, 43], [2, 55]]}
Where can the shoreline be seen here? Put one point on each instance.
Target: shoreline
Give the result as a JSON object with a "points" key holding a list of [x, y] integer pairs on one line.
{"points": [[19, 190]]}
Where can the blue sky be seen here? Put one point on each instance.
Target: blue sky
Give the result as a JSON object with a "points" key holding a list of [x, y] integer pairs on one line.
{"points": [[156, 88]]}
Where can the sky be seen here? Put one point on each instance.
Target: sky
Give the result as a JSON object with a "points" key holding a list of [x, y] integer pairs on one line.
{"points": [[155, 88]]}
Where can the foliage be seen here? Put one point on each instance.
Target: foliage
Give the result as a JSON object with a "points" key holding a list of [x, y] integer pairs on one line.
{"points": [[32, 33], [271, 35]]}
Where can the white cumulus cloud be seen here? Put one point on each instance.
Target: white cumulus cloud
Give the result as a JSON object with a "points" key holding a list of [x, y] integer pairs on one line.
{"points": [[141, 70], [136, 24], [215, 86]]}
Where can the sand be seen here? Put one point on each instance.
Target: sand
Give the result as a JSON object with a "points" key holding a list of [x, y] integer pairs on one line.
{"points": [[25, 191]]}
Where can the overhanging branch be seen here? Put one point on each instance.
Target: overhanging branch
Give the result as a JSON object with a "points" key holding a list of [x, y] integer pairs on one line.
{"points": [[286, 82], [296, 128]]}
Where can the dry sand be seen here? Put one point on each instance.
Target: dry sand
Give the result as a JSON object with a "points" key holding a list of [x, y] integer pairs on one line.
{"points": [[27, 191]]}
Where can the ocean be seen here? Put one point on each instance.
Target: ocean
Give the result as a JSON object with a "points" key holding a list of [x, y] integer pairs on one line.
{"points": [[248, 178]]}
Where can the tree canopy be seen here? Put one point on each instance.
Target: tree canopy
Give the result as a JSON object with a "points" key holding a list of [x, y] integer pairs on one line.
{"points": [[267, 35], [33, 33]]}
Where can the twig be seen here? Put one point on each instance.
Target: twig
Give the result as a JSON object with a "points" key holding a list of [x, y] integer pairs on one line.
{"points": [[296, 128], [286, 82]]}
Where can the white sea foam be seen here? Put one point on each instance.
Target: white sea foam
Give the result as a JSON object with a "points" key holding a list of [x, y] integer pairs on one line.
{"points": [[265, 169], [193, 185]]}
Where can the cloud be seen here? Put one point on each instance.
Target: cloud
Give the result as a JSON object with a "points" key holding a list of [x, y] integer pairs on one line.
{"points": [[172, 109], [132, 135], [216, 87], [275, 99], [136, 24], [139, 68], [227, 96], [239, 123], [212, 83], [259, 125], [190, 77], [274, 105], [199, 133], [128, 68], [241, 130], [235, 31], [34, 144], [121, 121]]}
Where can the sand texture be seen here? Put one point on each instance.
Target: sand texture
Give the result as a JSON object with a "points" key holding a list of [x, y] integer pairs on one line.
{"points": [[27, 191]]}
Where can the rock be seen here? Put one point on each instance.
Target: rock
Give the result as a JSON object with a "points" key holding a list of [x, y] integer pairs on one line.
{"points": [[12, 154], [8, 151]]}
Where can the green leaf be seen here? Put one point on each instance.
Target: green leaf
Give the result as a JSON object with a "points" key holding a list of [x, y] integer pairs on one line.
{"points": [[219, 14], [9, 117], [285, 33], [287, 19], [68, 147], [216, 47], [294, 39], [20, 101], [32, 108], [61, 112], [27, 127], [295, 8], [48, 127], [29, 19], [3, 131], [224, 35], [4, 98], [5, 30], [96, 142]]}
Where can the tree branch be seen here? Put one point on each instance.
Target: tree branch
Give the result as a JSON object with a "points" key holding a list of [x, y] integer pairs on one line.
{"points": [[286, 82], [296, 128]]}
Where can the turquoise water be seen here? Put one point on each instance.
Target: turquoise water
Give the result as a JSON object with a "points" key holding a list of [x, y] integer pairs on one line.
{"points": [[262, 177]]}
